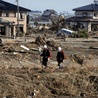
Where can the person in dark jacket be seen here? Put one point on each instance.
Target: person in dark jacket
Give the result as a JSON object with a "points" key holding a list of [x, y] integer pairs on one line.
{"points": [[46, 55], [60, 56]]}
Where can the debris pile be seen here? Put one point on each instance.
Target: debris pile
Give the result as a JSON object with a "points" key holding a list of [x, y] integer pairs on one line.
{"points": [[21, 74], [78, 58], [40, 40], [51, 42]]}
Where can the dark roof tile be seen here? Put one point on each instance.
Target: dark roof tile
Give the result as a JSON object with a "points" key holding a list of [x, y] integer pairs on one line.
{"points": [[8, 6], [90, 7]]}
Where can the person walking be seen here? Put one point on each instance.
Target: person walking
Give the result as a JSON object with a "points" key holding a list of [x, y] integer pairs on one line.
{"points": [[60, 56], [46, 55]]}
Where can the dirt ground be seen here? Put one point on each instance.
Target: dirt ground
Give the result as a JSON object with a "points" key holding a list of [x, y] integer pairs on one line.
{"points": [[21, 74]]}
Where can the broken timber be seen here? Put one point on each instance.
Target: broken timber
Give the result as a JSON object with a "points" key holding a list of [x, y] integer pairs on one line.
{"points": [[93, 47]]}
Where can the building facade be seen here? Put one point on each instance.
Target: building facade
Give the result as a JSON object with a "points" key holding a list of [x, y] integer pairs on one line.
{"points": [[12, 21], [86, 17]]}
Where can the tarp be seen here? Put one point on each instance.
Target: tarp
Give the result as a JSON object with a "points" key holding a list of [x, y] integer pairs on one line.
{"points": [[65, 31]]}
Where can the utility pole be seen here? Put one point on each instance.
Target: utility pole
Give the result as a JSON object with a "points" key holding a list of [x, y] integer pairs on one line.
{"points": [[96, 1], [17, 16]]}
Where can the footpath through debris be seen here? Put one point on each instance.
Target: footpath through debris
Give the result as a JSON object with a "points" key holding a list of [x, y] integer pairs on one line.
{"points": [[21, 74]]}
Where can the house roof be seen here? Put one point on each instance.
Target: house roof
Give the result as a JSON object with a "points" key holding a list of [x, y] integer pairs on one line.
{"points": [[90, 7], [81, 19], [8, 6]]}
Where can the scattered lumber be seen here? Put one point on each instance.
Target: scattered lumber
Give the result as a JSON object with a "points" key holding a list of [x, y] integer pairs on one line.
{"points": [[91, 47]]}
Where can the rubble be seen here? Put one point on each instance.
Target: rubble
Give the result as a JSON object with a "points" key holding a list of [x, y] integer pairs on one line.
{"points": [[40, 40], [78, 58], [21, 74], [1, 42], [50, 42]]}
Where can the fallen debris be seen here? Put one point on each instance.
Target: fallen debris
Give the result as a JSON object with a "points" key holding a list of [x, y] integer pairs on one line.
{"points": [[51, 42], [40, 41], [78, 58], [21, 74], [24, 47], [91, 47]]}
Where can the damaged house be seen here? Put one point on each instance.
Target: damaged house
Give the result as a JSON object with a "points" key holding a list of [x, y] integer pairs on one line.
{"points": [[9, 21], [86, 17]]}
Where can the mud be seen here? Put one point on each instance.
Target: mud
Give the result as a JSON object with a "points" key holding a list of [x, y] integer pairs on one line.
{"points": [[21, 74]]}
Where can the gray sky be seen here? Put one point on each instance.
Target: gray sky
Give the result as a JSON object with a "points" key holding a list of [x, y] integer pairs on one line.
{"points": [[57, 5]]}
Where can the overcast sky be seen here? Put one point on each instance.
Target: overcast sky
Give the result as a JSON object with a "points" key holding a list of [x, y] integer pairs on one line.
{"points": [[57, 5]]}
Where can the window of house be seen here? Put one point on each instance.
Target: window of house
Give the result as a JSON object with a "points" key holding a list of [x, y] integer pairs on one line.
{"points": [[6, 14], [21, 15], [95, 14], [14, 14], [84, 14], [0, 13]]}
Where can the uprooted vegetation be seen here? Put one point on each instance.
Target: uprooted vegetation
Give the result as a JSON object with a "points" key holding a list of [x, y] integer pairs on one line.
{"points": [[70, 81], [21, 74]]}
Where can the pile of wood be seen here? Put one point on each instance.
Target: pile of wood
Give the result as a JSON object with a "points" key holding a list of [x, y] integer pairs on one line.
{"points": [[50, 42], [78, 58], [40, 40]]}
